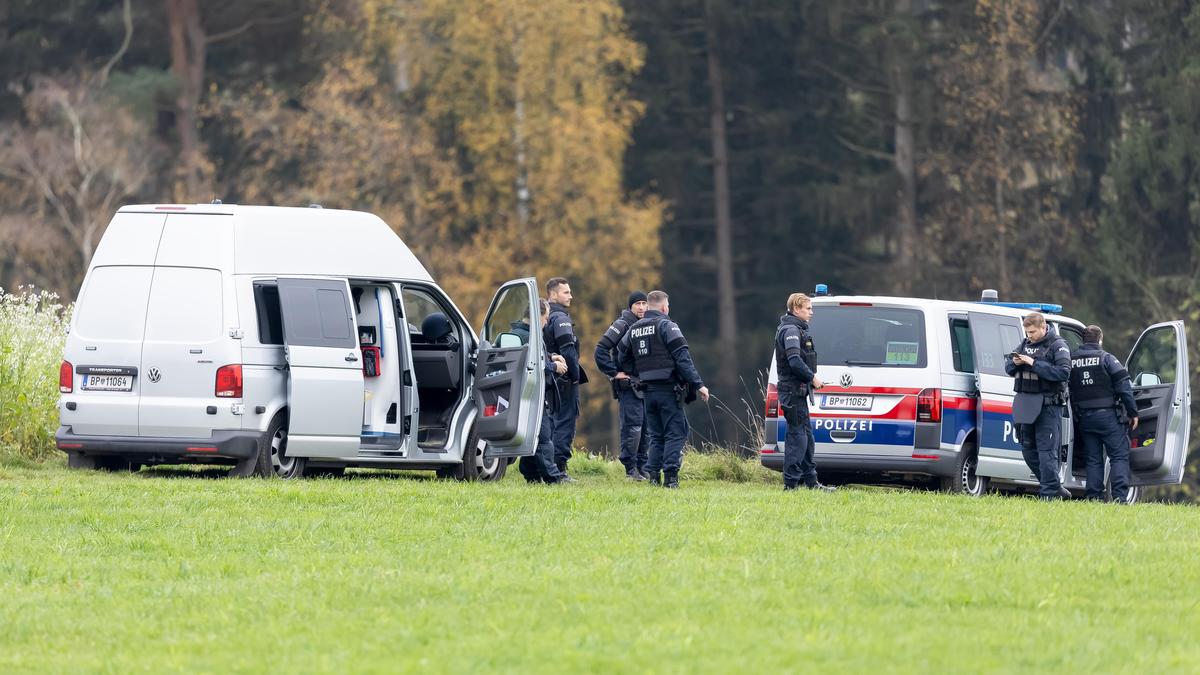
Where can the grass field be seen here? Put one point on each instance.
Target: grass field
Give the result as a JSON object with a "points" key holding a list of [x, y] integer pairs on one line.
{"points": [[165, 571]]}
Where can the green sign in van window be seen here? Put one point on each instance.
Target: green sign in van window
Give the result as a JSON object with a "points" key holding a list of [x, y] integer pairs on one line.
{"points": [[901, 353]]}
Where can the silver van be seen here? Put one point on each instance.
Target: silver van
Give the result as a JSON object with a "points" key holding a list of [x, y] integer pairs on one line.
{"points": [[916, 388], [286, 341]]}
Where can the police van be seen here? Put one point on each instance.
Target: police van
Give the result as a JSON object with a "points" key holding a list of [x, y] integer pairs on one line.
{"points": [[917, 388], [286, 341]]}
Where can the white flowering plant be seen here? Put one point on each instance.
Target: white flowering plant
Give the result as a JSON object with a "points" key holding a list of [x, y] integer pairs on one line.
{"points": [[33, 329]]}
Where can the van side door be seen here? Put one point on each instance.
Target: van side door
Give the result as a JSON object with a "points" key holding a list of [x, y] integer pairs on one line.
{"points": [[509, 386], [325, 380], [993, 336], [1158, 366]]}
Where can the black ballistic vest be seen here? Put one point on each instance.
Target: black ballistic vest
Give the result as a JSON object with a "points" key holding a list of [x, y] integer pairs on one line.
{"points": [[651, 356], [1027, 381], [612, 336], [1091, 384], [792, 338]]}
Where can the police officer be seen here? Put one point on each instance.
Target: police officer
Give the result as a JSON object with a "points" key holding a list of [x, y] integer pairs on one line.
{"points": [[1102, 397], [540, 468], [796, 362], [655, 350], [559, 333], [633, 411], [1041, 365]]}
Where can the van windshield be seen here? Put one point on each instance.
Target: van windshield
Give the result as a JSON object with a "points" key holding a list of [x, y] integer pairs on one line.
{"points": [[869, 336]]}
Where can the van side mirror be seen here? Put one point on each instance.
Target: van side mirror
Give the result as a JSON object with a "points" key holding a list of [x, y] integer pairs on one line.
{"points": [[506, 340], [1147, 379]]}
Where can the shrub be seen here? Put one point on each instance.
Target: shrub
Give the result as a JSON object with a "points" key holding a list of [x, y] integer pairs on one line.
{"points": [[33, 329]]}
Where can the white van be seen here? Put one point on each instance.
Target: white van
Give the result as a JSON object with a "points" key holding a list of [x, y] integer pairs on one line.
{"points": [[288, 341], [917, 388]]}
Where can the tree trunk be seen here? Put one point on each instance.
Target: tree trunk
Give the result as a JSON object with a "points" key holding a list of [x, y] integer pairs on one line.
{"points": [[188, 52], [727, 345], [906, 172]]}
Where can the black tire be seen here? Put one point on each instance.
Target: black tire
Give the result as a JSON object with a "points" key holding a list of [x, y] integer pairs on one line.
{"points": [[271, 458], [1132, 496], [965, 480], [474, 467]]}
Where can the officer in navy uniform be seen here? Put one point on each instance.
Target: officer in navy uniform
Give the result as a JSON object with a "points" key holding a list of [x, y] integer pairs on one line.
{"points": [[1102, 397], [655, 350], [540, 468], [559, 333], [796, 363], [632, 409], [1041, 366]]}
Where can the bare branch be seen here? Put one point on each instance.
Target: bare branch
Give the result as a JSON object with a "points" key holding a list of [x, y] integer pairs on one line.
{"points": [[127, 19], [850, 82], [868, 152], [234, 32]]}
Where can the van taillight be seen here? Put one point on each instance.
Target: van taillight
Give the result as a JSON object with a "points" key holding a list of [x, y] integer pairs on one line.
{"points": [[229, 381], [66, 378], [772, 401], [929, 405]]}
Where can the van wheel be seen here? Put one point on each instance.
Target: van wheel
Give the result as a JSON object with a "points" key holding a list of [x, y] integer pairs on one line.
{"points": [[1133, 494], [965, 479], [279, 463], [474, 466]]}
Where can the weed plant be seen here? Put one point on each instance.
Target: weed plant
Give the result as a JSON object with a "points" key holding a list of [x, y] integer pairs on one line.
{"points": [[33, 328]]}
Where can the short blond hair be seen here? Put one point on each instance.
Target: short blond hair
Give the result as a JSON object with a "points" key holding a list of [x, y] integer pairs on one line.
{"points": [[1034, 319], [798, 300]]}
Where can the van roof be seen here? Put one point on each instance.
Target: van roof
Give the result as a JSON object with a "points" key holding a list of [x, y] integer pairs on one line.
{"points": [[942, 305], [304, 241]]}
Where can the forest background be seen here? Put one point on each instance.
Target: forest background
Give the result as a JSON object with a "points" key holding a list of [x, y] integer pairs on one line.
{"points": [[728, 151]]}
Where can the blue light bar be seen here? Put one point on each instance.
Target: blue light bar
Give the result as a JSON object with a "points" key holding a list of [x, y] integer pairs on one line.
{"points": [[1046, 307], [821, 289]]}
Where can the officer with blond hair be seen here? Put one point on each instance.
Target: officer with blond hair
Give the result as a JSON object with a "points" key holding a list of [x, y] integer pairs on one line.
{"points": [[1040, 366], [796, 363]]}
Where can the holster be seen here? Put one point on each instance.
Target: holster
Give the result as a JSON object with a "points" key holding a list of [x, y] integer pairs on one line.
{"points": [[1123, 415]]}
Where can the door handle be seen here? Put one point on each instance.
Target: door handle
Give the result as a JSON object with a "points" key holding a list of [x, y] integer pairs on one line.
{"points": [[352, 357]]}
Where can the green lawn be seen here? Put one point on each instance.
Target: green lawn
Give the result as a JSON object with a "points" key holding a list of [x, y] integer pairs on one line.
{"points": [[164, 571]]}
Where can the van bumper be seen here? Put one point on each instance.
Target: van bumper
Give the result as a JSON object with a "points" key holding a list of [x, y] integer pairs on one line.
{"points": [[231, 444], [934, 462]]}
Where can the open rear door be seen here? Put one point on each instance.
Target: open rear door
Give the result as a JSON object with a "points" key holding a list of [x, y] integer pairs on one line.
{"points": [[510, 381], [1158, 366], [994, 336], [325, 383]]}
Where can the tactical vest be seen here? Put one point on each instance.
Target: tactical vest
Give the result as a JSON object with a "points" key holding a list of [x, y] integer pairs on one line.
{"points": [[783, 348], [556, 345], [1027, 381], [651, 356], [612, 336], [1091, 384]]}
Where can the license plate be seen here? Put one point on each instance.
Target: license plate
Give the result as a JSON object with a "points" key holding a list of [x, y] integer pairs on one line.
{"points": [[107, 383], [846, 402]]}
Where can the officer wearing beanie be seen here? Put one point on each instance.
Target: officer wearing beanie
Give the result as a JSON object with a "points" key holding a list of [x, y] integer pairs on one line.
{"points": [[1041, 366], [1102, 397], [629, 399], [796, 363], [559, 333], [655, 350]]}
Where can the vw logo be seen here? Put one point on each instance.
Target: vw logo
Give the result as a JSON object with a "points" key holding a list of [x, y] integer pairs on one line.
{"points": [[154, 375], [847, 380]]}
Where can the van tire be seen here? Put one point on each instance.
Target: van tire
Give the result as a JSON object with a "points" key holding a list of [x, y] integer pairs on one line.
{"points": [[271, 443], [474, 467], [964, 480]]}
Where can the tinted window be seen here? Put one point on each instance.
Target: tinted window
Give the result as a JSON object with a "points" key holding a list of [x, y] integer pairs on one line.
{"points": [[266, 307], [994, 337], [1154, 357], [960, 345], [185, 305], [1072, 336], [113, 306], [880, 336], [316, 313]]}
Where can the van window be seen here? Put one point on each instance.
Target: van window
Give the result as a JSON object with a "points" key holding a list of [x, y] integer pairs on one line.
{"points": [[869, 336], [1071, 335], [995, 337], [113, 306], [420, 303], [270, 318], [960, 345], [185, 305]]}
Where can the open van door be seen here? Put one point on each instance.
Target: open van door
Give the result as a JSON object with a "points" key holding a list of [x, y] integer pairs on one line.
{"points": [[993, 337], [325, 383], [509, 386], [1158, 366]]}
